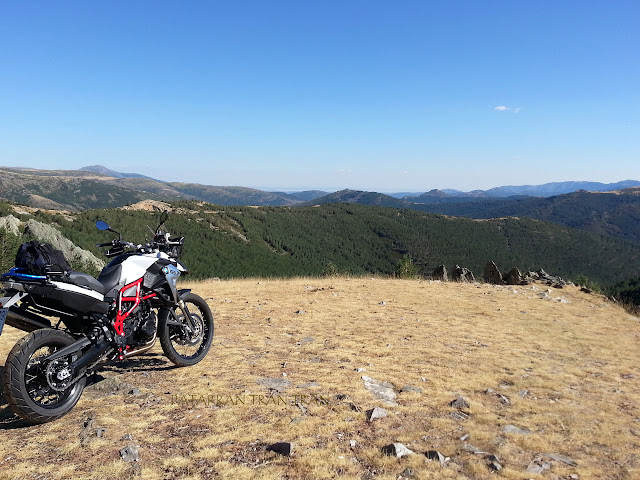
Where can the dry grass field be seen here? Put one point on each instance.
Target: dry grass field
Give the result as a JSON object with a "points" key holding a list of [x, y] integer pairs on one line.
{"points": [[563, 372]]}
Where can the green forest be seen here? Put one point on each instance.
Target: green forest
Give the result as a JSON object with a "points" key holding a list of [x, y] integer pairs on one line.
{"points": [[229, 242]]}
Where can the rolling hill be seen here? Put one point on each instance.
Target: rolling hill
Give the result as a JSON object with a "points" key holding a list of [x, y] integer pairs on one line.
{"points": [[356, 239]]}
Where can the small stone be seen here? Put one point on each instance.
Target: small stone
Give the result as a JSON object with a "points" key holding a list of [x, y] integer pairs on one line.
{"points": [[397, 450], [360, 370], [523, 393], [407, 472], [410, 389], [300, 312], [129, 453], [515, 430], [459, 415], [135, 392], [459, 403], [435, 455], [353, 443], [495, 466], [538, 466], [100, 432], [283, 448], [382, 304], [375, 413], [278, 384], [382, 390], [562, 458], [127, 436], [465, 437]]}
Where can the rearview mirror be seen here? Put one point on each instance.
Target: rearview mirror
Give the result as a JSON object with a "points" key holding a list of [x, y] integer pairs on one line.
{"points": [[100, 225]]}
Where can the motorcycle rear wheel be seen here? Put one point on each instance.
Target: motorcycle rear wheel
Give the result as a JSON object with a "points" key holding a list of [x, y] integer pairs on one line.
{"points": [[26, 388], [182, 349]]}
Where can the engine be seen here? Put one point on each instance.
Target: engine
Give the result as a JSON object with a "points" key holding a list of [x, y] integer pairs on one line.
{"points": [[140, 327]]}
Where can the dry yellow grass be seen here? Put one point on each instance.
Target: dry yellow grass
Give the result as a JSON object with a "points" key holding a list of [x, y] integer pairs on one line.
{"points": [[578, 362]]}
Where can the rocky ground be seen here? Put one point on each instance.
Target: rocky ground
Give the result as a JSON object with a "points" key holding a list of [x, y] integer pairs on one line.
{"points": [[361, 378]]}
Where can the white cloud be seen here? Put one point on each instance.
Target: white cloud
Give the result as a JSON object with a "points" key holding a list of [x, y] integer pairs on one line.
{"points": [[504, 108]]}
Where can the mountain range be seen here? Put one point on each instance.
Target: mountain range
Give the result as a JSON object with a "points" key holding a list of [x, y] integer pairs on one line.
{"points": [[614, 213], [92, 186]]}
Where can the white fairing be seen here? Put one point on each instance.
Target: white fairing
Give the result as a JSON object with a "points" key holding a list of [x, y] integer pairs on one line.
{"points": [[76, 289], [136, 266]]}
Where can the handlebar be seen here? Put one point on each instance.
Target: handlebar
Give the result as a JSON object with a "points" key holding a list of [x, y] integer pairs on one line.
{"points": [[160, 243]]}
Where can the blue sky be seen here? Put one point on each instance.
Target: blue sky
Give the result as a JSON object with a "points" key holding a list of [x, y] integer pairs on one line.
{"points": [[291, 95]]}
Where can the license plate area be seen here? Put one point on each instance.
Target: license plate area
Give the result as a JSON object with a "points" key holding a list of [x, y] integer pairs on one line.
{"points": [[3, 317]]}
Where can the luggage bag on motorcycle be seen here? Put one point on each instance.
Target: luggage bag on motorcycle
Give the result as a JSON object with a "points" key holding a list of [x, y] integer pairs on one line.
{"points": [[40, 258]]}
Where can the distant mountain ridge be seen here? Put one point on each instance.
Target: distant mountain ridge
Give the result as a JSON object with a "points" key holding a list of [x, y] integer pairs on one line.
{"points": [[112, 173]]}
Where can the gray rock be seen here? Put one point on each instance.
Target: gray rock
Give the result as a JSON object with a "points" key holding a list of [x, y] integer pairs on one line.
{"points": [[375, 413], [308, 385], [457, 415], [382, 390], [100, 432], [462, 274], [135, 392], [300, 312], [407, 472], [410, 389], [129, 454], [516, 430], [460, 403], [277, 384], [562, 458], [497, 466], [440, 273], [127, 436], [283, 448], [538, 466], [465, 437], [523, 393], [467, 447], [492, 274], [435, 455], [513, 277], [397, 450], [353, 443]]}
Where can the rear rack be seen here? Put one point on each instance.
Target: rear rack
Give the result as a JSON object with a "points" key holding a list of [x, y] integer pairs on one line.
{"points": [[19, 274]]}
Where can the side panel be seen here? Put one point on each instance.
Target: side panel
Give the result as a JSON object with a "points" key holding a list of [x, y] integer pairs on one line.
{"points": [[135, 266]]}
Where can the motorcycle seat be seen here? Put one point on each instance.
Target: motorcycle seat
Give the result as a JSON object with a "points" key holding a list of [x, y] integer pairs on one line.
{"points": [[85, 280]]}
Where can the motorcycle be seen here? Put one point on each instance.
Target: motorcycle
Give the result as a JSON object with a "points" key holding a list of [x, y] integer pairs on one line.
{"points": [[134, 301]]}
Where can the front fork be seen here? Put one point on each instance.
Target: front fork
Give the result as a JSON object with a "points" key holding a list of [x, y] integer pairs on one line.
{"points": [[192, 328]]}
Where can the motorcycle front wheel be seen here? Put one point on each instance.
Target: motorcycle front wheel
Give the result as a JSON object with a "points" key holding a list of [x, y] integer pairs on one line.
{"points": [[28, 377], [180, 344]]}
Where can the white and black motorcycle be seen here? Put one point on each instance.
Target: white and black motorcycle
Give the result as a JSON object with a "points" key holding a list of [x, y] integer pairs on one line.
{"points": [[134, 301]]}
